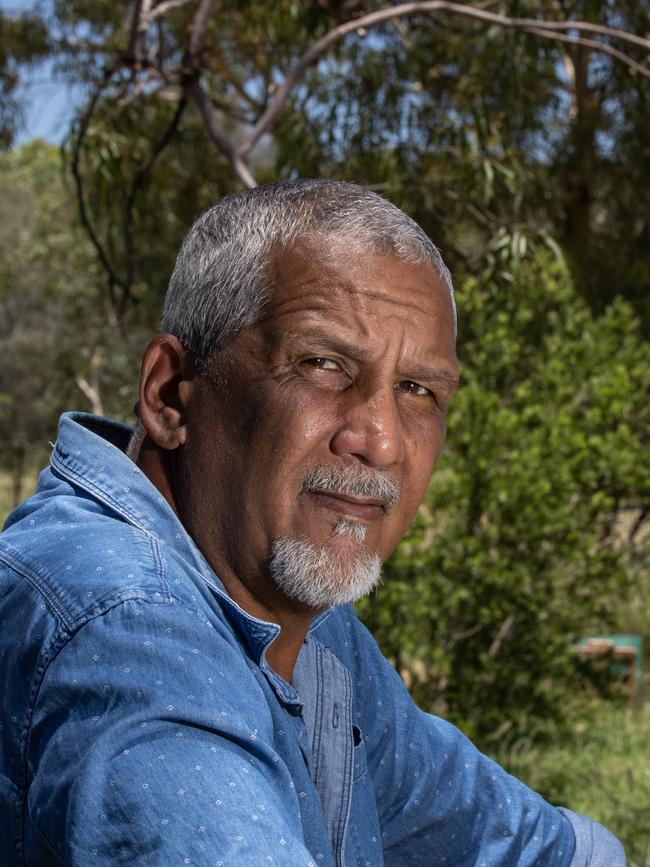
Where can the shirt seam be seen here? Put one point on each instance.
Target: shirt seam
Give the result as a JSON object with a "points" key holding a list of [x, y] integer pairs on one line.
{"points": [[36, 574], [46, 584], [344, 817], [318, 711]]}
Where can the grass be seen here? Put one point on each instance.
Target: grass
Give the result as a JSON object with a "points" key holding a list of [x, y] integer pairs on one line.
{"points": [[602, 770]]}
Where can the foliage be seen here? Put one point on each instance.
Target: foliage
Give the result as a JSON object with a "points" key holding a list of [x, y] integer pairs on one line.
{"points": [[24, 40], [512, 557], [469, 125], [599, 768], [472, 129], [60, 344]]}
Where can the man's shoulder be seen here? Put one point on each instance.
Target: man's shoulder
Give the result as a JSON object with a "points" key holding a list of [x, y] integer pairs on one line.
{"points": [[73, 556]]}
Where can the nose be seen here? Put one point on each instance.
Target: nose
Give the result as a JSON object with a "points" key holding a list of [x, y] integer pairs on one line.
{"points": [[370, 429]]}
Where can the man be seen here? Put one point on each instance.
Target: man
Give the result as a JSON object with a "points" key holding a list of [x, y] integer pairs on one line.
{"points": [[184, 680]]}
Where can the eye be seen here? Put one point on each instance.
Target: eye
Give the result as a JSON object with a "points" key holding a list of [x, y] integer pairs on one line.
{"points": [[325, 372], [321, 363], [415, 388]]}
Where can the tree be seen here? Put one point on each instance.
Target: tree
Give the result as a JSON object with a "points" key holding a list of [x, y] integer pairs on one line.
{"points": [[256, 82], [23, 41], [61, 345]]}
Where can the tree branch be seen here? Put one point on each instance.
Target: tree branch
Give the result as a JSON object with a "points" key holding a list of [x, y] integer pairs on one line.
{"points": [[638, 523], [90, 386], [113, 279], [139, 182], [91, 393], [164, 7], [429, 6], [587, 26], [502, 633], [199, 26], [594, 44], [218, 137], [139, 26]]}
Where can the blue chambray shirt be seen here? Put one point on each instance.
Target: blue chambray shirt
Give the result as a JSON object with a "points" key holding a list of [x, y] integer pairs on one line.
{"points": [[141, 723]]}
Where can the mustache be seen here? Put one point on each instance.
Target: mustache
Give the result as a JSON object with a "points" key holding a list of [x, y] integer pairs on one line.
{"points": [[354, 482]]}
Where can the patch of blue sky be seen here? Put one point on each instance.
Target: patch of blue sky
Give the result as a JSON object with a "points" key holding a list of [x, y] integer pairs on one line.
{"points": [[48, 102]]}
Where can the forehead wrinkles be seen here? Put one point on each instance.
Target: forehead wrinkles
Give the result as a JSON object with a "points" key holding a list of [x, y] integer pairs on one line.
{"points": [[349, 303], [342, 265]]}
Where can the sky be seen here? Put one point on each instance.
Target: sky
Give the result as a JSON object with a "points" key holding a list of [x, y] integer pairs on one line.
{"points": [[48, 106], [48, 103]]}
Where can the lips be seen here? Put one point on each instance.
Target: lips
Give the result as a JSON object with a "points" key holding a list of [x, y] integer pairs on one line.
{"points": [[351, 490], [358, 508]]}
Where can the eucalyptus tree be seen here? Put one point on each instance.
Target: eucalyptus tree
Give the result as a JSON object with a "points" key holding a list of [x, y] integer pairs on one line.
{"points": [[481, 118]]}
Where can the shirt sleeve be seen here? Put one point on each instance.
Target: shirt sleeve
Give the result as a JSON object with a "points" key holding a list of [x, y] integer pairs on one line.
{"points": [[140, 753], [595, 845], [440, 800]]}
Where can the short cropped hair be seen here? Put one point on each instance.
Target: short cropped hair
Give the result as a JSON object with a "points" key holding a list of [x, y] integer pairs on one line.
{"points": [[220, 283]]}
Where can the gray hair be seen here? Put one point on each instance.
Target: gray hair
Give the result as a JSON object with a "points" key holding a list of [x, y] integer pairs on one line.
{"points": [[220, 282]]}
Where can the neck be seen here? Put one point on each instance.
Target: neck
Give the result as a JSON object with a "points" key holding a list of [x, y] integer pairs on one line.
{"points": [[292, 619], [155, 463], [283, 653]]}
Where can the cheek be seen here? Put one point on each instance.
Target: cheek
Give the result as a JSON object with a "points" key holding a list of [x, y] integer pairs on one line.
{"points": [[302, 426]]}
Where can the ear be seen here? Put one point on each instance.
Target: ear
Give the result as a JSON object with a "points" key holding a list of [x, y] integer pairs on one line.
{"points": [[166, 383]]}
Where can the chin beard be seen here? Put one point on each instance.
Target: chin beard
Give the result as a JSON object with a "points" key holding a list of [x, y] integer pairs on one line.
{"points": [[319, 576]]}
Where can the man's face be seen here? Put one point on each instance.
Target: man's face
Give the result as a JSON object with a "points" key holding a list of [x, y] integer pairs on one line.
{"points": [[320, 425]]}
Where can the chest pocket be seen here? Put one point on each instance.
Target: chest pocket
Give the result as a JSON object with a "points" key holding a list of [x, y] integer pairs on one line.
{"points": [[363, 841], [360, 766]]}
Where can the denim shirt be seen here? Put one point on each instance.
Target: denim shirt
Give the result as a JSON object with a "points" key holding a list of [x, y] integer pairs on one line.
{"points": [[142, 724]]}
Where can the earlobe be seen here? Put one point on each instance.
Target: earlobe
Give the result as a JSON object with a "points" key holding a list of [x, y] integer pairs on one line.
{"points": [[166, 382]]}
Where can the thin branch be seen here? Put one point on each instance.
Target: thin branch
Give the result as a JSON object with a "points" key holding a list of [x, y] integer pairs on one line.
{"points": [[139, 26], [428, 6], [73, 43], [502, 633], [218, 137], [592, 43], [164, 7], [135, 29], [139, 181], [113, 278], [638, 523], [462, 636], [199, 26], [228, 109], [227, 74], [588, 27], [91, 393], [127, 98]]}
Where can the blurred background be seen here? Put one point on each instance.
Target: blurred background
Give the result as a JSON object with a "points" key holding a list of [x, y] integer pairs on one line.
{"points": [[519, 604]]}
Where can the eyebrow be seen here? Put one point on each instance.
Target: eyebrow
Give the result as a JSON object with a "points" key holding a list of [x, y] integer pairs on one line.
{"points": [[425, 375]]}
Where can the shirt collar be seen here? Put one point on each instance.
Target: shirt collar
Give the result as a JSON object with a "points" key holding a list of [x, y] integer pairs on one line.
{"points": [[90, 453]]}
